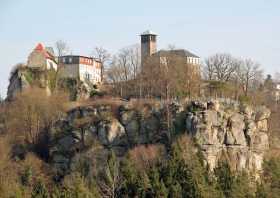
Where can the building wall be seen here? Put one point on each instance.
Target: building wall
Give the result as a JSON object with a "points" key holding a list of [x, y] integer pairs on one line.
{"points": [[148, 46], [90, 72], [69, 71], [97, 78], [81, 67], [37, 60], [51, 64], [193, 60]]}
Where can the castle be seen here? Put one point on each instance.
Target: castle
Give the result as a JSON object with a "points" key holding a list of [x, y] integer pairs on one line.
{"points": [[42, 66], [149, 49], [87, 70]]}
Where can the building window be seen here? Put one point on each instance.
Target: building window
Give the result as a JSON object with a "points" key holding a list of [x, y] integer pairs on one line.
{"points": [[87, 76], [70, 60], [63, 60]]}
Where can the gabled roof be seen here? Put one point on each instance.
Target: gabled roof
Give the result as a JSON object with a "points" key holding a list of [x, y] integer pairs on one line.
{"points": [[179, 52], [148, 32], [40, 48]]}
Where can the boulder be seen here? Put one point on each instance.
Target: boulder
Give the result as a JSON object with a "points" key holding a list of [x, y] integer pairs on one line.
{"points": [[149, 129], [246, 110], [260, 142], [132, 131], [262, 113], [110, 132], [262, 125], [236, 129]]}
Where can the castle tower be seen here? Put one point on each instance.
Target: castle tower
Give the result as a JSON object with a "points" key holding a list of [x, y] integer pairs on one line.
{"points": [[148, 44]]}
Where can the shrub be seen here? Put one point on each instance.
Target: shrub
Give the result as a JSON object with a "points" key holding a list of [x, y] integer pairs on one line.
{"points": [[39, 190]]}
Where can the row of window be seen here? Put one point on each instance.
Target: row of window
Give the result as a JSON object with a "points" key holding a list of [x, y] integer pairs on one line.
{"points": [[70, 60], [193, 60], [86, 60], [89, 77]]}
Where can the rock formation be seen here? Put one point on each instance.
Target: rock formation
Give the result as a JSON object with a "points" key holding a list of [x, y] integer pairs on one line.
{"points": [[233, 132], [236, 133]]}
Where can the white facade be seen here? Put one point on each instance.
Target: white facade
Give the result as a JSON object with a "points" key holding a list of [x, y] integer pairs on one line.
{"points": [[193, 60], [90, 72], [86, 69], [51, 64]]}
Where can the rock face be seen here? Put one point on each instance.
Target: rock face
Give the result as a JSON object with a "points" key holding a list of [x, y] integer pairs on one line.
{"points": [[221, 130], [83, 126], [233, 132]]}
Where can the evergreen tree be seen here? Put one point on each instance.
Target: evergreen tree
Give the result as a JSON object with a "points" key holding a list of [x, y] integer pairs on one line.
{"points": [[39, 190], [224, 178]]}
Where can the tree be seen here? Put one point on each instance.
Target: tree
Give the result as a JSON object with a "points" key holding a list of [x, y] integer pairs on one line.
{"points": [[62, 48], [249, 75], [110, 180], [220, 67], [103, 56], [31, 115], [39, 190], [270, 186], [123, 71], [225, 178], [268, 83], [169, 75]]}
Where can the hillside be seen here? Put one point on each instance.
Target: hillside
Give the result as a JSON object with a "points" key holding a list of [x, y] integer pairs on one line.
{"points": [[150, 148]]}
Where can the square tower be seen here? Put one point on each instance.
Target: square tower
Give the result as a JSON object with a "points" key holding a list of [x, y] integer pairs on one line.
{"points": [[148, 44]]}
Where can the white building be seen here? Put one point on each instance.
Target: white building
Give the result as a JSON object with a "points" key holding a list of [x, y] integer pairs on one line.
{"points": [[82, 67]]}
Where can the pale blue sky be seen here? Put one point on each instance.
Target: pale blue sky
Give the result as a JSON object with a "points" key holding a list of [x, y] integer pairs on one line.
{"points": [[245, 28]]}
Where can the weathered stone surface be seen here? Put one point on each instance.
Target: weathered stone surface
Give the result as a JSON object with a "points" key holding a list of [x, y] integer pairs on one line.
{"points": [[240, 133], [222, 130], [262, 113], [110, 132], [262, 125]]}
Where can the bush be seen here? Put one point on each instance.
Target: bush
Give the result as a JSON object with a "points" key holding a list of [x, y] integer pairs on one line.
{"points": [[39, 190], [244, 100]]}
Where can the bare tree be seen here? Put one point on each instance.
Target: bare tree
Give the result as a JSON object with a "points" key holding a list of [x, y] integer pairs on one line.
{"points": [[220, 67], [249, 74], [209, 70], [276, 77], [103, 56], [124, 69], [135, 60], [62, 48]]}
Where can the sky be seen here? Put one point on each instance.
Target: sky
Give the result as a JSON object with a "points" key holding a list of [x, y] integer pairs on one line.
{"points": [[244, 28]]}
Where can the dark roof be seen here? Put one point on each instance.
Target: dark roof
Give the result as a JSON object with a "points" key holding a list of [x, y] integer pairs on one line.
{"points": [[148, 32], [95, 59], [179, 52]]}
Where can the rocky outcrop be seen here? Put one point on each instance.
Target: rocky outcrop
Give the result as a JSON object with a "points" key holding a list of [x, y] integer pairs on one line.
{"points": [[78, 131], [222, 130], [229, 131]]}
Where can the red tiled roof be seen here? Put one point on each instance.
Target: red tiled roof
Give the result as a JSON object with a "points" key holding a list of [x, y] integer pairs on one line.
{"points": [[40, 47]]}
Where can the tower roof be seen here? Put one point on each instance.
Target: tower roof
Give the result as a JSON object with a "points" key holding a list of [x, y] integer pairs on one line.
{"points": [[148, 32], [47, 54], [39, 47]]}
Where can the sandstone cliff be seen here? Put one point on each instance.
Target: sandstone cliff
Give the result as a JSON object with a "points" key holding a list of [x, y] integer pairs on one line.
{"points": [[221, 129]]}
